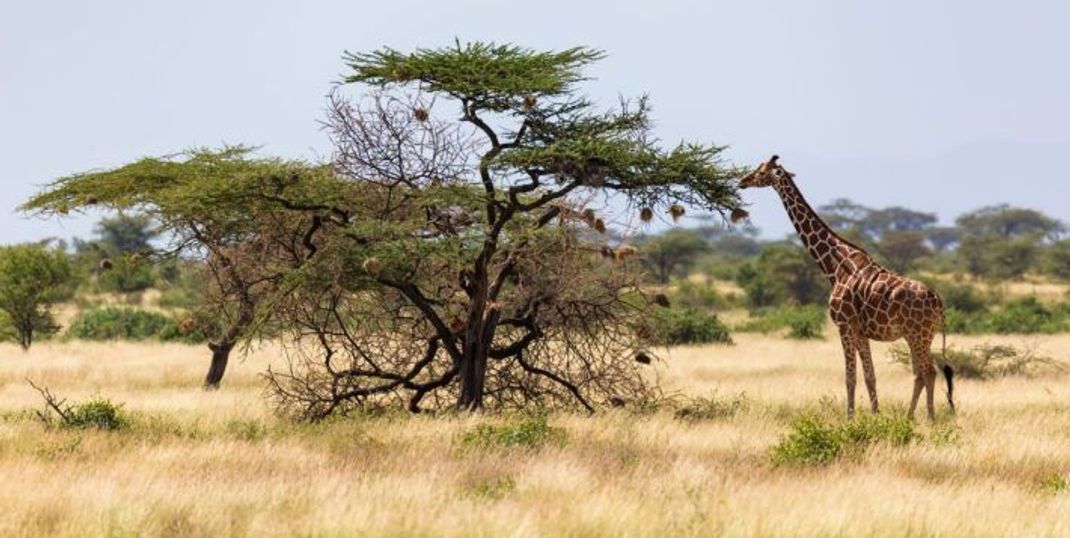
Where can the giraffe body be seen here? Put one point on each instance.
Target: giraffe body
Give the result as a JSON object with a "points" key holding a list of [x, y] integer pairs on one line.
{"points": [[867, 301]]}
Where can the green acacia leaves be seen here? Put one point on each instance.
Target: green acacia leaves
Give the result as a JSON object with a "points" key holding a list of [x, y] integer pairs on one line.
{"points": [[488, 76]]}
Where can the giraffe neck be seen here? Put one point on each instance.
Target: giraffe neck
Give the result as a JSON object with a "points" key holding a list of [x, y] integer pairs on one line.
{"points": [[836, 256]]}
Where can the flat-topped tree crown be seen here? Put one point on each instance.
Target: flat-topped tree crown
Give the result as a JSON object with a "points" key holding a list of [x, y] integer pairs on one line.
{"points": [[486, 76], [560, 141]]}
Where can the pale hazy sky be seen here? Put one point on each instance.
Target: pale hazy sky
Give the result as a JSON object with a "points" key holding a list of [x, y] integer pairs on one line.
{"points": [[937, 105]]}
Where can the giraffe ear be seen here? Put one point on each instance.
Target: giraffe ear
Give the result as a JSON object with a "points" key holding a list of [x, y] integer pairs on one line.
{"points": [[774, 159]]}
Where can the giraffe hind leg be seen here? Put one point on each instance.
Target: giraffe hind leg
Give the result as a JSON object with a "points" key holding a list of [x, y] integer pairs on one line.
{"points": [[924, 374]]}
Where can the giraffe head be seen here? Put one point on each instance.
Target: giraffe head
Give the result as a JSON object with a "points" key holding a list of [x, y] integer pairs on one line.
{"points": [[766, 175]]}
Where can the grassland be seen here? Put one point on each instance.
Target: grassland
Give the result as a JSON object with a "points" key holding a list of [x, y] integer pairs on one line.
{"points": [[216, 464]]}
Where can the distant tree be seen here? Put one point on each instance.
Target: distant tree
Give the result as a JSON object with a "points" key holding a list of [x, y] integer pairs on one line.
{"points": [[783, 274], [1007, 222], [999, 258], [126, 233], [942, 238], [1003, 241], [843, 214], [897, 219], [672, 251], [900, 249], [1057, 259], [32, 277]]}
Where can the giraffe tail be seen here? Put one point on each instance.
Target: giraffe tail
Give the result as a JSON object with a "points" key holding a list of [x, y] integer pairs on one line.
{"points": [[949, 373]]}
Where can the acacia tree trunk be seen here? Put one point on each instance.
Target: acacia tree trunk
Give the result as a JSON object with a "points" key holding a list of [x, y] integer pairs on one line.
{"points": [[222, 347], [482, 323], [220, 356]]}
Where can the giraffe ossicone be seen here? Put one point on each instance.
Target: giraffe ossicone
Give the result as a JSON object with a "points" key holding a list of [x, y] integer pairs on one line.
{"points": [[867, 301]]}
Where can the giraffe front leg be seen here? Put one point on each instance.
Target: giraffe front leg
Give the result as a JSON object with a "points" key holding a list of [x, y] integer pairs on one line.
{"points": [[868, 373], [847, 339]]}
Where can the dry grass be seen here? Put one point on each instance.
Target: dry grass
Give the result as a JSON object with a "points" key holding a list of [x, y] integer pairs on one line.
{"points": [[212, 464]]}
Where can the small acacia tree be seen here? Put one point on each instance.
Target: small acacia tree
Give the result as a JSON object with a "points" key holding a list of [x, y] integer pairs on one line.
{"points": [[249, 221], [32, 277], [484, 279]]}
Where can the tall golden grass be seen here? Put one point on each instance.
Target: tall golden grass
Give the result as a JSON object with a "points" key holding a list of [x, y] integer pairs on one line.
{"points": [[218, 464]]}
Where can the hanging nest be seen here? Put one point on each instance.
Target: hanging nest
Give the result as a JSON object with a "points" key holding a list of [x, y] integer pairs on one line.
{"points": [[105, 264], [91, 200], [662, 300], [187, 325], [646, 214], [607, 252], [589, 216], [643, 358], [643, 332], [600, 225], [529, 103], [63, 209], [372, 266], [624, 252], [457, 325], [739, 214], [421, 114], [676, 211]]}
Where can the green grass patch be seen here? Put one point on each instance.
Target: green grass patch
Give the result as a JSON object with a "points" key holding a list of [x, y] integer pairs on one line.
{"points": [[526, 432], [814, 440]]}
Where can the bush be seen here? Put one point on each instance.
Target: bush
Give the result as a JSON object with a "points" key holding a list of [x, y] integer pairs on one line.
{"points": [[1021, 316], [126, 323], [688, 326], [814, 441], [528, 432], [119, 323], [987, 361], [99, 413], [803, 322], [96, 412]]}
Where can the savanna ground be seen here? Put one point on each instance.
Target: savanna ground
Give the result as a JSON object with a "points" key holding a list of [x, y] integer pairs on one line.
{"points": [[210, 464]]}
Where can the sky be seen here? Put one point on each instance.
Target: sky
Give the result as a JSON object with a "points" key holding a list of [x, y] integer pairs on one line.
{"points": [[940, 106]]}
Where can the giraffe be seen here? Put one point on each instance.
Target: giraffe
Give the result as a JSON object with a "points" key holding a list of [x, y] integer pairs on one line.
{"points": [[867, 302]]}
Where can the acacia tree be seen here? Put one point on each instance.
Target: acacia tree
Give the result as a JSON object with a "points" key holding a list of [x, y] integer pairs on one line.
{"points": [[31, 279], [250, 221], [477, 279]]}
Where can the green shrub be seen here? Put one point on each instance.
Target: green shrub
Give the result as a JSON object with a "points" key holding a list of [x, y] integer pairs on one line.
{"points": [[986, 361], [127, 323], [98, 413], [118, 323], [817, 441], [679, 326], [1020, 316], [710, 408], [1054, 484], [803, 322], [527, 432]]}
